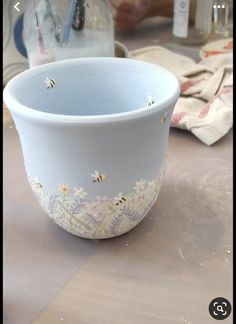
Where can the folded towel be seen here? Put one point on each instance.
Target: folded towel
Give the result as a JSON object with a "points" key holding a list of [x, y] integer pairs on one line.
{"points": [[205, 106]]}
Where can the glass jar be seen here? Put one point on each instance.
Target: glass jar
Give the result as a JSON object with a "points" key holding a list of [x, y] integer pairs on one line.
{"points": [[192, 21], [223, 17], [64, 29]]}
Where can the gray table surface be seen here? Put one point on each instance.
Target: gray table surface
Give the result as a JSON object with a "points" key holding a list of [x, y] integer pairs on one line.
{"points": [[169, 267]]}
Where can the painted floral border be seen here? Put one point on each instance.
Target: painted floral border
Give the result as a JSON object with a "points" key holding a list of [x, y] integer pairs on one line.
{"points": [[102, 217]]}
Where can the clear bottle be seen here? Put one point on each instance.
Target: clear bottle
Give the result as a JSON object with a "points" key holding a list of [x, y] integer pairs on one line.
{"points": [[192, 21], [223, 17]]}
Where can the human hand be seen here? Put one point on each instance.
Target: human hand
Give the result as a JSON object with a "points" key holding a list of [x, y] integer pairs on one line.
{"points": [[128, 13]]}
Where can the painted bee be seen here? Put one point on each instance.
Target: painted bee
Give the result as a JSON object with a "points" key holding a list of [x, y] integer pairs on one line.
{"points": [[38, 185], [50, 83], [150, 101], [121, 201], [98, 177], [164, 117]]}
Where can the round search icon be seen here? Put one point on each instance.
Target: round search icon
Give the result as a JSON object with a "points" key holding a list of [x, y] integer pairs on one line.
{"points": [[220, 308]]}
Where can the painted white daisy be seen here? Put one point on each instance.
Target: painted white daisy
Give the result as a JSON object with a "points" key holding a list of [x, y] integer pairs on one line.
{"points": [[151, 183], [101, 199], [90, 205], [140, 185], [64, 188], [80, 192]]}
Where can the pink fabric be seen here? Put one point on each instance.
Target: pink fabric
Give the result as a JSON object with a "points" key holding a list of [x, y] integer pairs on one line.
{"points": [[205, 106], [176, 117], [203, 113]]}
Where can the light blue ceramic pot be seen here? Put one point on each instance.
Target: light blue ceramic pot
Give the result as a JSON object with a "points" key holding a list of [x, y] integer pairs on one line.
{"points": [[94, 134]]}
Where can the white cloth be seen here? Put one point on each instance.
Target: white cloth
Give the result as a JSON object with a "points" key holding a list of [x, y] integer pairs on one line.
{"points": [[205, 106]]}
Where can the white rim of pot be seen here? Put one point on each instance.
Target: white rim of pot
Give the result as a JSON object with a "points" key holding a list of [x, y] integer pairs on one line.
{"points": [[28, 112]]}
